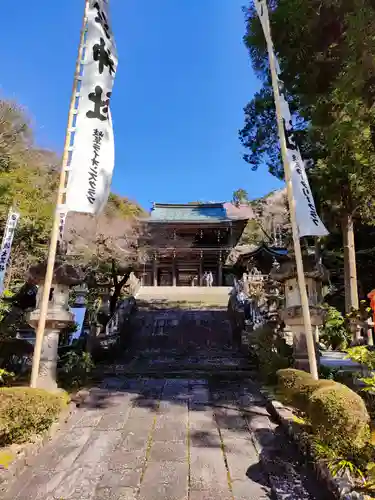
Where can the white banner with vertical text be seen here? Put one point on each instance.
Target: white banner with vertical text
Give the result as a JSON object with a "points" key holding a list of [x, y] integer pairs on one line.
{"points": [[93, 155], [6, 245], [308, 221]]}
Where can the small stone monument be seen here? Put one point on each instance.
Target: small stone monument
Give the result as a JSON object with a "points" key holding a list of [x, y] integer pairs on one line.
{"points": [[315, 275], [58, 315]]}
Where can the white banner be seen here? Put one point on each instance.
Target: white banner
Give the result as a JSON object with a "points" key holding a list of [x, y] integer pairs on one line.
{"points": [[308, 221], [93, 156], [6, 245]]}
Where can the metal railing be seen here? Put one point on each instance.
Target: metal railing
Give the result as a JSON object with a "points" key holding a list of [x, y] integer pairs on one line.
{"points": [[117, 319]]}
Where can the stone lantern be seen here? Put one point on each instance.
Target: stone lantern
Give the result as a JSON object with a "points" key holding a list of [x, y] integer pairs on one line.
{"points": [[315, 275], [59, 316], [79, 294]]}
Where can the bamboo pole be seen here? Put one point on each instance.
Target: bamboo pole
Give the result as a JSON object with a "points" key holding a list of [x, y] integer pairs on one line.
{"points": [[56, 220], [292, 208]]}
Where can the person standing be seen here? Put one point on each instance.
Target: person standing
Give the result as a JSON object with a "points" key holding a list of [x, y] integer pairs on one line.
{"points": [[210, 279], [205, 279]]}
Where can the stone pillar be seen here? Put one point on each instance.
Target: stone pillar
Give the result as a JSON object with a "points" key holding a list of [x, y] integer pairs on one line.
{"points": [[355, 329], [48, 360], [370, 325], [301, 360]]}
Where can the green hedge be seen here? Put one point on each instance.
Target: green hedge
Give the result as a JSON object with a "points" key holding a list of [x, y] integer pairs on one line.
{"points": [[25, 412], [297, 386], [338, 416]]}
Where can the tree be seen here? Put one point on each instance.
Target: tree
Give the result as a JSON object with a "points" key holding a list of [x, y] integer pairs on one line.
{"points": [[107, 246], [27, 182], [239, 197], [327, 60]]}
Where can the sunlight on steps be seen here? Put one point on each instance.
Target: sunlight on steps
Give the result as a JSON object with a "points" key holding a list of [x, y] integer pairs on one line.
{"points": [[216, 296]]}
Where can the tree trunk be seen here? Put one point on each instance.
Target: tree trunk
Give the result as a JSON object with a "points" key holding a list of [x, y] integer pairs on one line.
{"points": [[116, 292], [350, 266]]}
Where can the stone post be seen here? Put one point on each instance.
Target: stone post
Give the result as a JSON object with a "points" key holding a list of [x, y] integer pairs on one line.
{"points": [[370, 326], [316, 275], [59, 317], [355, 329]]}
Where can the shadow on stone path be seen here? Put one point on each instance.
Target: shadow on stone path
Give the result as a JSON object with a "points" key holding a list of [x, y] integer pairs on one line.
{"points": [[168, 439]]}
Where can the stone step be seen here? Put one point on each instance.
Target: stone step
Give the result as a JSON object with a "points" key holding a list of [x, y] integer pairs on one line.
{"points": [[119, 370]]}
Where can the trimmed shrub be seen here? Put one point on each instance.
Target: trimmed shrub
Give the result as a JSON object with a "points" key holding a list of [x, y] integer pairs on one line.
{"points": [[25, 412], [270, 353], [339, 417], [75, 369], [297, 386]]}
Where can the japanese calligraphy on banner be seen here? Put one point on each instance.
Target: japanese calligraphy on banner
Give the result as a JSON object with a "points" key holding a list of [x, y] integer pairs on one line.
{"points": [[308, 221], [6, 244], [62, 225], [92, 160]]}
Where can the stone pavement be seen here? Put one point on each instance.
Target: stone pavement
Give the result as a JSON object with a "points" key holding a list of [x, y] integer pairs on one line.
{"points": [[168, 439]]}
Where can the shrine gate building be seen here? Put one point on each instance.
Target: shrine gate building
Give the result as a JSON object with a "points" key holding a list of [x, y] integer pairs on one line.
{"points": [[189, 240]]}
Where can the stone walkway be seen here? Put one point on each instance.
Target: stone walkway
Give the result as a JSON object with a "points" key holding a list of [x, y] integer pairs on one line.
{"points": [[168, 439]]}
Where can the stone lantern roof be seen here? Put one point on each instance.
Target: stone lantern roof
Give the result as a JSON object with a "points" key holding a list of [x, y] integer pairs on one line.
{"points": [[64, 273], [312, 269]]}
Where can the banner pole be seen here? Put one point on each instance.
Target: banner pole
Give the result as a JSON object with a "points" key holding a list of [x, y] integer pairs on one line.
{"points": [[56, 220], [310, 343]]}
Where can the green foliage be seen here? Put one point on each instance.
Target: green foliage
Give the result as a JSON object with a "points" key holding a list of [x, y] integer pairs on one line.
{"points": [[13, 352], [328, 373], [122, 207], [327, 63], [6, 377], [335, 416], [240, 196], [271, 353], [67, 333], [5, 306], [362, 355], [339, 417], [297, 386], [25, 412], [369, 383], [334, 332], [330, 92], [75, 369], [28, 182], [336, 463]]}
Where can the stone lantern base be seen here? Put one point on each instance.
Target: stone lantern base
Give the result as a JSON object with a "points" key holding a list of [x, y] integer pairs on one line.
{"points": [[57, 320], [293, 319]]}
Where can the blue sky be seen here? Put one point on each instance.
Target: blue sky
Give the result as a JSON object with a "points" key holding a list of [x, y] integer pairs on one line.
{"points": [[183, 79]]}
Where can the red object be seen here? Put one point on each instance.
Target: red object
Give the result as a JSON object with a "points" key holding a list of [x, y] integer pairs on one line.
{"points": [[371, 296]]}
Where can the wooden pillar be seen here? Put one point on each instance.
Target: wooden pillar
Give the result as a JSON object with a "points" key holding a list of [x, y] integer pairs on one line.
{"points": [[200, 277], [174, 277], [231, 236], [220, 271], [155, 271]]}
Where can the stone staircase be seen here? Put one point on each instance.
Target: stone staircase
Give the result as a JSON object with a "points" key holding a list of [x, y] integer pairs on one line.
{"points": [[181, 331], [212, 297]]}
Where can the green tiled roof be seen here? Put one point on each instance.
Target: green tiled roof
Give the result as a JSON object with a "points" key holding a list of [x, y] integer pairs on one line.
{"points": [[195, 212]]}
